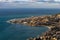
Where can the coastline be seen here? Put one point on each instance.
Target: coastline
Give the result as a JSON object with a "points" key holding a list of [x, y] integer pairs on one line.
{"points": [[51, 21]]}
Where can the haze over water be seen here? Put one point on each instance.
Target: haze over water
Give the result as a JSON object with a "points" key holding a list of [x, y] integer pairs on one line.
{"points": [[18, 31]]}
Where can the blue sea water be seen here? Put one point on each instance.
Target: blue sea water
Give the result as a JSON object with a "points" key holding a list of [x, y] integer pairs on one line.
{"points": [[18, 31]]}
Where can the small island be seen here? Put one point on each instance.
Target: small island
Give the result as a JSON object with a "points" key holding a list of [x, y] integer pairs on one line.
{"points": [[50, 21]]}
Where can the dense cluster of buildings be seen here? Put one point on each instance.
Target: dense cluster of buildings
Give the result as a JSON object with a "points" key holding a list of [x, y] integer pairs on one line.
{"points": [[52, 21], [38, 20], [52, 34]]}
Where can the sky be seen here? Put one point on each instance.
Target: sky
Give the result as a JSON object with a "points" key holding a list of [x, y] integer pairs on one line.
{"points": [[31, 0], [30, 4]]}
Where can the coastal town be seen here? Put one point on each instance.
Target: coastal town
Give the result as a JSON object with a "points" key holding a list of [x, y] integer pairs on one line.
{"points": [[51, 21], [52, 34]]}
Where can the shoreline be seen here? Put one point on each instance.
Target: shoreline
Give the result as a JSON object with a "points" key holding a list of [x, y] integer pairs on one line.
{"points": [[50, 21]]}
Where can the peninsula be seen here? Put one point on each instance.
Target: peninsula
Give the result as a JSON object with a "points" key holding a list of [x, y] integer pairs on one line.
{"points": [[51, 21]]}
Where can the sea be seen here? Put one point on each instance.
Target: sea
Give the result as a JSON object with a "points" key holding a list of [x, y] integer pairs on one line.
{"points": [[18, 31]]}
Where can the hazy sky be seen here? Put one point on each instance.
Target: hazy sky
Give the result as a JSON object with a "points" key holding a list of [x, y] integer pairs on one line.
{"points": [[30, 4], [32, 0]]}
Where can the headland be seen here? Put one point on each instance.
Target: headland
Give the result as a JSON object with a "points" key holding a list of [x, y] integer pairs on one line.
{"points": [[50, 21]]}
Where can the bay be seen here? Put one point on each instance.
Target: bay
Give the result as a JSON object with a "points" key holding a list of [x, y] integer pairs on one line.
{"points": [[18, 31]]}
